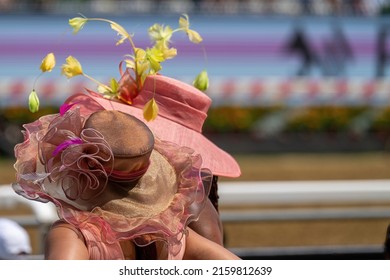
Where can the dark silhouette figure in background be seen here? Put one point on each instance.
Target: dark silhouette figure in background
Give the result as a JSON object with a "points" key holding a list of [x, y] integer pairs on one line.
{"points": [[382, 54], [330, 58], [299, 45], [337, 52]]}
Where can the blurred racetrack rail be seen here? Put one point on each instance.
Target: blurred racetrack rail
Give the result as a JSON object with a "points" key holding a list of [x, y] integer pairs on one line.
{"points": [[248, 208]]}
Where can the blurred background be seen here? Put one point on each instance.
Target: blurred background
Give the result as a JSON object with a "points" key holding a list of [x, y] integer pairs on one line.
{"points": [[301, 98]]}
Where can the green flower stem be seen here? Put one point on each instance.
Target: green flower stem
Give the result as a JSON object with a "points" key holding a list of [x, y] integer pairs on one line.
{"points": [[178, 30], [114, 23], [36, 79], [128, 38], [97, 82]]}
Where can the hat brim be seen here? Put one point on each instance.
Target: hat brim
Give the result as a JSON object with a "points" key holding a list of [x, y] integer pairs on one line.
{"points": [[214, 158], [164, 200]]}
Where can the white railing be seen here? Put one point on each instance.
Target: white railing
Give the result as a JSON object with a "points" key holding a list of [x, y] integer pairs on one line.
{"points": [[287, 193], [265, 194], [42, 213], [298, 192]]}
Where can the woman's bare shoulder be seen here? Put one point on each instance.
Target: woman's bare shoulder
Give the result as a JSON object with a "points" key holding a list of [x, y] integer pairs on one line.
{"points": [[65, 242]]}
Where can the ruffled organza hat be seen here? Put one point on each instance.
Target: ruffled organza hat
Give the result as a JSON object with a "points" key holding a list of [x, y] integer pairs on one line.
{"points": [[111, 178]]}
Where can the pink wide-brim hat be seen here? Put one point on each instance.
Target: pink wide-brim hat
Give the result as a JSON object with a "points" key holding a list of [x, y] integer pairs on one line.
{"points": [[182, 112]]}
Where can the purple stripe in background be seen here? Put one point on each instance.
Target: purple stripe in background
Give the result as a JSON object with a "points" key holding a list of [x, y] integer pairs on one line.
{"points": [[242, 48], [254, 45]]}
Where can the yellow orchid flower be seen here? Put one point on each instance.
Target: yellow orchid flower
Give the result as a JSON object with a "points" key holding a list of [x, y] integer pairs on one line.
{"points": [[160, 33], [194, 36], [77, 23], [48, 63], [201, 81], [121, 32], [72, 67], [154, 57], [139, 56], [141, 62], [168, 53], [150, 110], [138, 63], [33, 102], [184, 23]]}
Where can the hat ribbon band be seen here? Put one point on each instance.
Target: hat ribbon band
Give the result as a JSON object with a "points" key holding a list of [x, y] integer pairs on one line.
{"points": [[121, 176]]}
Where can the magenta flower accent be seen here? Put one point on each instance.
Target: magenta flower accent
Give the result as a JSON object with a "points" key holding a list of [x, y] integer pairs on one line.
{"points": [[66, 144], [75, 158], [65, 108]]}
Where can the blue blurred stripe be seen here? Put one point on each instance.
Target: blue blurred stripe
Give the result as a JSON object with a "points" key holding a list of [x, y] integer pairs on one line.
{"points": [[240, 46]]}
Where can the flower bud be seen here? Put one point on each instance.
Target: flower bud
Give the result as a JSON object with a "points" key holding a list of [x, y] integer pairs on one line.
{"points": [[201, 81], [48, 63], [77, 23], [33, 102]]}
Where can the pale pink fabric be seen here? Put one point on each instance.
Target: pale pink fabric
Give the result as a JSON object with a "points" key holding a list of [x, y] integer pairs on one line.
{"points": [[182, 112]]}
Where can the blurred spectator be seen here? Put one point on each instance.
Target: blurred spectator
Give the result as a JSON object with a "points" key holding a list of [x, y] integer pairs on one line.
{"points": [[299, 45], [306, 7], [265, 7], [335, 6], [387, 244], [357, 7], [6, 5], [14, 240]]}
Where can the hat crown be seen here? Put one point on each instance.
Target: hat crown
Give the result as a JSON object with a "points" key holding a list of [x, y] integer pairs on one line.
{"points": [[182, 112], [126, 135], [177, 101], [129, 139]]}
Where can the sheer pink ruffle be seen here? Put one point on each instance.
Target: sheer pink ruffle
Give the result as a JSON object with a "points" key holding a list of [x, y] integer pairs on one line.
{"points": [[170, 225], [80, 171]]}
